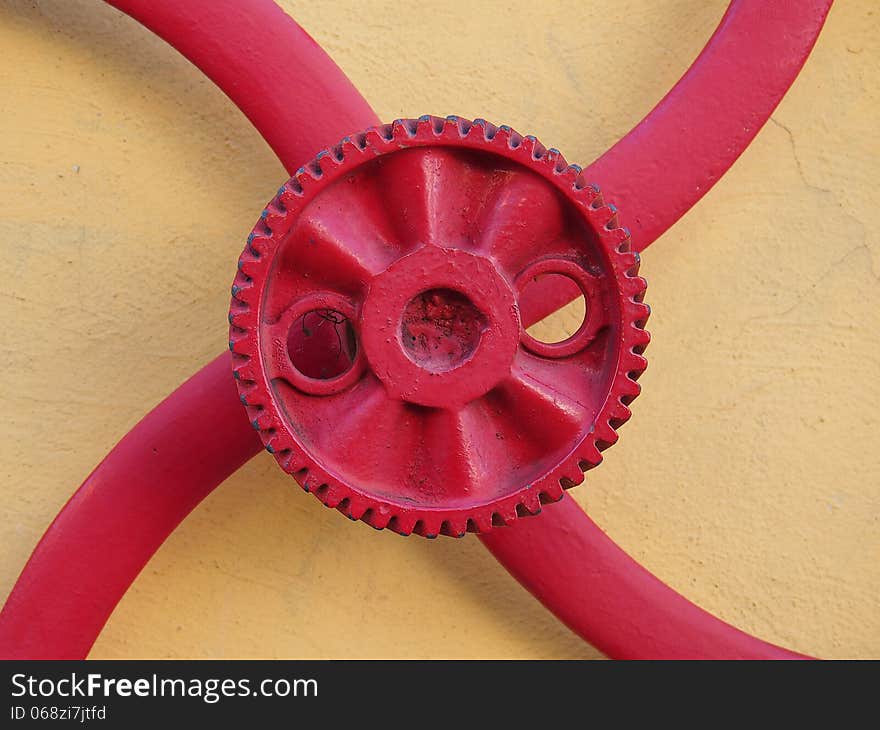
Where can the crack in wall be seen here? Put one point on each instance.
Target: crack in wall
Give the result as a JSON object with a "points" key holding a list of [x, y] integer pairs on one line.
{"points": [[797, 160]]}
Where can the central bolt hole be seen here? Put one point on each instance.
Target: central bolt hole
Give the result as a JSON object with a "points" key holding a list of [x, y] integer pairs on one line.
{"points": [[441, 328]]}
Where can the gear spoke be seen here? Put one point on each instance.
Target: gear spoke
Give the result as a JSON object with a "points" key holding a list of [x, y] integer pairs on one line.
{"points": [[456, 461], [365, 419], [580, 372], [523, 220], [339, 243], [347, 415], [550, 415], [431, 193]]}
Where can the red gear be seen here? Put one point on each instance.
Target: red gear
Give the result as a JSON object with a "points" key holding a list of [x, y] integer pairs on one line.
{"points": [[402, 254]]}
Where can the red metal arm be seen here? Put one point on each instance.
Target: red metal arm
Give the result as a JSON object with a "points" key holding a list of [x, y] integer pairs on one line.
{"points": [[290, 89], [567, 562], [674, 156], [122, 513]]}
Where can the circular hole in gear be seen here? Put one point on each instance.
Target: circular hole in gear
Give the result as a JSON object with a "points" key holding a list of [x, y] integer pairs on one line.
{"points": [[322, 344], [441, 329], [564, 322]]}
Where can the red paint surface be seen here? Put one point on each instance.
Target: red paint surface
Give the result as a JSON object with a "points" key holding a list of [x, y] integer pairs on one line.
{"points": [[441, 329], [466, 428], [674, 156], [655, 171], [289, 88], [571, 566], [122, 513]]}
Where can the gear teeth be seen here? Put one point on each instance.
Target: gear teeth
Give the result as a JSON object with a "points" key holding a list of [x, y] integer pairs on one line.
{"points": [[479, 523], [404, 129], [429, 526], [454, 527], [530, 504], [619, 415], [582, 183], [639, 363], [536, 150], [634, 287], [377, 517], [348, 146], [508, 136], [605, 435], [304, 179], [620, 237], [554, 156], [642, 338], [352, 507], [376, 137], [245, 370], [246, 266], [276, 214], [630, 390], [573, 477], [425, 124], [329, 495], [504, 517], [274, 222], [402, 524], [489, 130], [236, 309], [261, 420], [613, 221], [462, 126], [552, 493], [589, 456]]}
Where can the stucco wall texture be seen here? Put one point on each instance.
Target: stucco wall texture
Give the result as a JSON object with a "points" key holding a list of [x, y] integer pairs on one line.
{"points": [[749, 477]]}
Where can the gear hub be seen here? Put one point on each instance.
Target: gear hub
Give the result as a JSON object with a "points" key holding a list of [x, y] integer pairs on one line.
{"points": [[377, 335]]}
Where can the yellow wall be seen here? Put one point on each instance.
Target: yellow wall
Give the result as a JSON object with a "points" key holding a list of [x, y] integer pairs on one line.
{"points": [[748, 478]]}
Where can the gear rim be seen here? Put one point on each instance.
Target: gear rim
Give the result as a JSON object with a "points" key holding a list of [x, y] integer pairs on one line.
{"points": [[256, 390]]}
